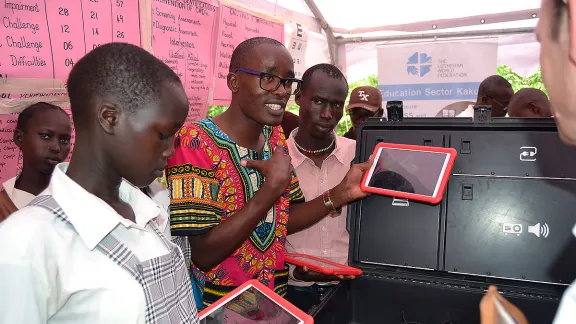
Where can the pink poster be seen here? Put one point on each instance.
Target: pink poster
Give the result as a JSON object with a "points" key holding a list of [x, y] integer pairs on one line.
{"points": [[182, 38], [44, 39], [67, 37], [25, 49], [236, 26], [8, 149]]}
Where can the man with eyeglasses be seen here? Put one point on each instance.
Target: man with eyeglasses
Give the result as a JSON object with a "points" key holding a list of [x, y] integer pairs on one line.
{"points": [[365, 102], [494, 91], [234, 193]]}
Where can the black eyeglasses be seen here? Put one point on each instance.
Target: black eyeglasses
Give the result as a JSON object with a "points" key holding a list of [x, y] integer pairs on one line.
{"points": [[271, 82]]}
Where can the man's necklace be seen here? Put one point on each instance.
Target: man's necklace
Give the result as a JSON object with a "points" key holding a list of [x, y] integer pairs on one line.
{"points": [[312, 151]]}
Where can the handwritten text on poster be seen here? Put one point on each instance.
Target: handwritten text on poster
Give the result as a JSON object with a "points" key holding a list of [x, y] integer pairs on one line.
{"points": [[235, 27]]}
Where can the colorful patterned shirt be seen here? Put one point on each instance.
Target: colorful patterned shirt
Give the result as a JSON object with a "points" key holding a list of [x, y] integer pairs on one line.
{"points": [[208, 185]]}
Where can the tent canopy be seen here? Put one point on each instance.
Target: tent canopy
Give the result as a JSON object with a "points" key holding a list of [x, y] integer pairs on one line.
{"points": [[349, 17], [347, 32]]}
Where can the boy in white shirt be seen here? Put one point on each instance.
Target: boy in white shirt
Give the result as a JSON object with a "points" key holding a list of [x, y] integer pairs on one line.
{"points": [[90, 248]]}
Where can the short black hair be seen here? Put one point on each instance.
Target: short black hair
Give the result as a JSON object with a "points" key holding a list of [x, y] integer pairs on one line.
{"points": [[26, 115], [125, 72], [491, 84], [246, 48], [329, 69], [559, 7]]}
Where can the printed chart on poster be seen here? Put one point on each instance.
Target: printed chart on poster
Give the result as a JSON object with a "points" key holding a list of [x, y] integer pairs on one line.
{"points": [[236, 26], [297, 43], [297, 48], [435, 79], [182, 38], [43, 39]]}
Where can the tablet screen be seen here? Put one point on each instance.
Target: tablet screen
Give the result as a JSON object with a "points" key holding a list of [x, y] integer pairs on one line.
{"points": [[409, 171], [250, 306], [316, 262]]}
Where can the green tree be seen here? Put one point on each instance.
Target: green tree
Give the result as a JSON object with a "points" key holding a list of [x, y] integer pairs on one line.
{"points": [[518, 82]]}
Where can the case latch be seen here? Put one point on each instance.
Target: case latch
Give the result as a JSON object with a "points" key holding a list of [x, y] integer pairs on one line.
{"points": [[482, 113], [467, 192], [427, 142], [395, 110], [400, 202], [465, 147]]}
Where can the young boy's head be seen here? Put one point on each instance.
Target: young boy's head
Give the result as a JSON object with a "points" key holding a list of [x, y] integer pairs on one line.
{"points": [[259, 68], [126, 106], [43, 134], [322, 99]]}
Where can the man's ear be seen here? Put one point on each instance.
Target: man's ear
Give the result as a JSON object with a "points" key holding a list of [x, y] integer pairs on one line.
{"points": [[108, 117], [297, 98], [483, 100], [534, 108], [18, 137], [233, 82]]}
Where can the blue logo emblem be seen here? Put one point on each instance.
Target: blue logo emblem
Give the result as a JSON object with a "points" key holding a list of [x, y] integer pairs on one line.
{"points": [[419, 63]]}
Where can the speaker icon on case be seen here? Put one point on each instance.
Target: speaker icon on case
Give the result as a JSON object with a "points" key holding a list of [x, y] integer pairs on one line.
{"points": [[538, 230]]}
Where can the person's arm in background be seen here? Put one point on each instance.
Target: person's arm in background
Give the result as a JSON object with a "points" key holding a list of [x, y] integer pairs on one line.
{"points": [[7, 207], [490, 313]]}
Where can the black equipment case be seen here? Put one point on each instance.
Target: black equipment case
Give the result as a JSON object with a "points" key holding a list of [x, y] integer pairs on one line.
{"points": [[506, 216]]}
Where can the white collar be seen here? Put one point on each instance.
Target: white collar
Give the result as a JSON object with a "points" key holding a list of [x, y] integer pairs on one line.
{"points": [[92, 218], [20, 198], [9, 186]]}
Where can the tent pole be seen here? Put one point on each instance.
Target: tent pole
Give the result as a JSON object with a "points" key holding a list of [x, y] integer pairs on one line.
{"points": [[472, 33], [332, 45]]}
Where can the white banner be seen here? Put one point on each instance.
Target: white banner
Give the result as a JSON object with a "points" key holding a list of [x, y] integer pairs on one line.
{"points": [[435, 79]]}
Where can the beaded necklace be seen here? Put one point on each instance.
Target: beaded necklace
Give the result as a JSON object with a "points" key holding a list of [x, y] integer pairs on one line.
{"points": [[312, 151]]}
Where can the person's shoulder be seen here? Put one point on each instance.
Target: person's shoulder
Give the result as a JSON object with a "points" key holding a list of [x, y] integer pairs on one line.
{"points": [[7, 206], [192, 139], [192, 129], [29, 231], [346, 141]]}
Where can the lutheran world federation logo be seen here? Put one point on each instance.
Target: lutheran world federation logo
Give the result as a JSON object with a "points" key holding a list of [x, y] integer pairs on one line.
{"points": [[419, 63]]}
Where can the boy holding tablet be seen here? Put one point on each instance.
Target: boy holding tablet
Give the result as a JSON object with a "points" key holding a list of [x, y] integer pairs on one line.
{"points": [[89, 248]]}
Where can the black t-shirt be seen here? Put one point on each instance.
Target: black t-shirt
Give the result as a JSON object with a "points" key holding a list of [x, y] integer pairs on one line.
{"points": [[351, 134]]}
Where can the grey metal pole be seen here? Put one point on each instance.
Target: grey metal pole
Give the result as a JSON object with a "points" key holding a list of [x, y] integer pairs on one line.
{"points": [[332, 44], [472, 33]]}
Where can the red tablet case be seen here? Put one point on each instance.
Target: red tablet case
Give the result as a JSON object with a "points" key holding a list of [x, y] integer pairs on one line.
{"points": [[306, 319], [404, 195], [342, 269]]}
